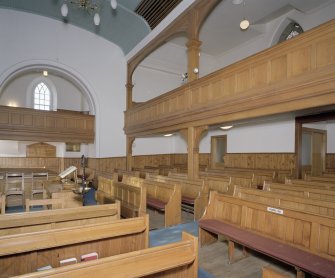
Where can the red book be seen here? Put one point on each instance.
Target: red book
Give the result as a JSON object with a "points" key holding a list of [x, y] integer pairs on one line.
{"points": [[89, 257]]}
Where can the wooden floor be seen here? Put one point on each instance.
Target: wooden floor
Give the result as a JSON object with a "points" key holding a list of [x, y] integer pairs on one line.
{"points": [[214, 258]]}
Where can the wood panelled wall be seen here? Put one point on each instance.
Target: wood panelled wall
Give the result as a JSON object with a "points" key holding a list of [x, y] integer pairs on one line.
{"points": [[106, 166], [25, 124], [51, 163], [278, 161], [330, 162], [293, 75]]}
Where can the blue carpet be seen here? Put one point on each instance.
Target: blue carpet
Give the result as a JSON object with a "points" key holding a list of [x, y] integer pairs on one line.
{"points": [[22, 209], [173, 234]]}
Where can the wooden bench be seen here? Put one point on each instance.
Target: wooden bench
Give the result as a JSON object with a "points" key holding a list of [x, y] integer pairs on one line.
{"points": [[178, 259], [268, 272], [165, 198], [51, 203], [25, 253], [194, 193], [27, 222], [302, 240], [302, 191], [132, 198], [311, 183], [270, 198], [324, 178]]}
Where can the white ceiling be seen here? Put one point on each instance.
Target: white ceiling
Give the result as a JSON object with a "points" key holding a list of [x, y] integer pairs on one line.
{"points": [[221, 31]]}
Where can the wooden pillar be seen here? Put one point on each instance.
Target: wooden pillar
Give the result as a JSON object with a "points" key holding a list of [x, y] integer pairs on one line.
{"points": [[193, 50], [130, 141], [298, 149], [193, 136], [129, 87]]}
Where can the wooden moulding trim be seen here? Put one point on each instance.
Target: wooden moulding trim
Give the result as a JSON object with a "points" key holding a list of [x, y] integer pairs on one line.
{"points": [[268, 101], [161, 258], [59, 215], [60, 237]]}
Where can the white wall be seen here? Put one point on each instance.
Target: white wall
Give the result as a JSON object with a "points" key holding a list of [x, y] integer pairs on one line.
{"points": [[153, 145], [100, 65]]}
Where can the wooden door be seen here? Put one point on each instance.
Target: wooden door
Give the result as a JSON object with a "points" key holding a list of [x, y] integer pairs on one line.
{"points": [[313, 151]]}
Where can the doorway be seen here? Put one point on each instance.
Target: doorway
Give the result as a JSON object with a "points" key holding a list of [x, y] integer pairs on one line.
{"points": [[313, 151], [218, 150]]}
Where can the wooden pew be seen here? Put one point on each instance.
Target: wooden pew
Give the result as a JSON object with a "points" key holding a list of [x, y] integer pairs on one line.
{"points": [[121, 172], [132, 198], [165, 198], [270, 198], [311, 183], [178, 259], [299, 239], [53, 203], [162, 197], [302, 191], [268, 272], [323, 178], [27, 222], [194, 193], [25, 253]]}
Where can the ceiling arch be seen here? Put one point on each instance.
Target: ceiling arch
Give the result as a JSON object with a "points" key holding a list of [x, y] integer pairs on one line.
{"points": [[122, 26]]}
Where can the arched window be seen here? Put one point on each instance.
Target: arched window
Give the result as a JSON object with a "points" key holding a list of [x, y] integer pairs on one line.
{"points": [[42, 97], [291, 30]]}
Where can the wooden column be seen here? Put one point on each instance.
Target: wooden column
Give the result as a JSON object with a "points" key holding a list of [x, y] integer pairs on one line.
{"points": [[130, 141], [193, 136], [129, 87], [193, 50]]}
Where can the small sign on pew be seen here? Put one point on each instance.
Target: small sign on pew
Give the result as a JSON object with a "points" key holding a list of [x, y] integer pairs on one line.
{"points": [[275, 210]]}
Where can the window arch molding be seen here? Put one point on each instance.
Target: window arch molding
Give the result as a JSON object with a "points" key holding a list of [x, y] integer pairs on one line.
{"points": [[31, 91], [282, 26], [61, 70]]}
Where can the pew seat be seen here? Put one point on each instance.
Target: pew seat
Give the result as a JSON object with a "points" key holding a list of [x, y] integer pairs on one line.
{"points": [[296, 238], [286, 253]]}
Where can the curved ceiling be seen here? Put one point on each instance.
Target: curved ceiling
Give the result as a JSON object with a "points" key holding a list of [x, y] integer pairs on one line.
{"points": [[122, 26]]}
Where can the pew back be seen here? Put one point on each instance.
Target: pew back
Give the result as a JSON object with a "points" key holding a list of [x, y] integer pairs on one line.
{"points": [[286, 201], [178, 259], [27, 222], [25, 253], [302, 191], [131, 197]]}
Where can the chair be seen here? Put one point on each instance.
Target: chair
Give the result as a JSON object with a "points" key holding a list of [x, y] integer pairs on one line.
{"points": [[15, 185], [37, 186]]}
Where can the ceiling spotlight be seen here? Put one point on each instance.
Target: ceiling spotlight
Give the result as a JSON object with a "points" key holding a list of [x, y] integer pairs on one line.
{"points": [[244, 24], [226, 127], [45, 73], [113, 4], [168, 135]]}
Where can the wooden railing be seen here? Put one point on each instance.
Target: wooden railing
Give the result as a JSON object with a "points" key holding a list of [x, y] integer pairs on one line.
{"points": [[290, 76], [25, 124]]}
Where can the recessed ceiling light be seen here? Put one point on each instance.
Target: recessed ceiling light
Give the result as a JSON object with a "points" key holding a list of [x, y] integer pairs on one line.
{"points": [[226, 127], [45, 73], [237, 2], [168, 135], [244, 24]]}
